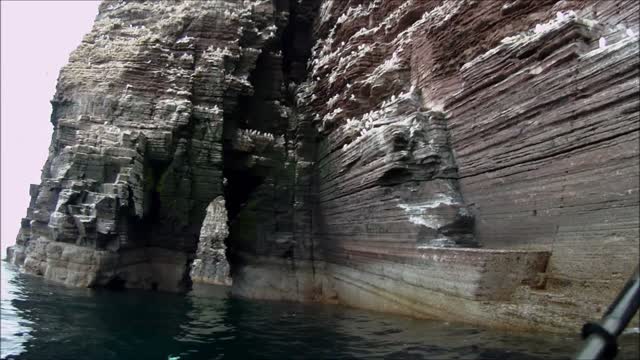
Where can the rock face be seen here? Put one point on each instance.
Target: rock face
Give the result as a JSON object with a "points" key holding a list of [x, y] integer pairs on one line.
{"points": [[136, 155], [210, 265], [473, 160]]}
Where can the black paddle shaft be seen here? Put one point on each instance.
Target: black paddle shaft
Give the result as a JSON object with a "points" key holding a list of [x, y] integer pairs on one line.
{"points": [[601, 338]]}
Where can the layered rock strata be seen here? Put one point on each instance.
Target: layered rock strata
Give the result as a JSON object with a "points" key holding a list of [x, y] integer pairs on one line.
{"points": [[136, 154], [540, 100], [472, 160]]}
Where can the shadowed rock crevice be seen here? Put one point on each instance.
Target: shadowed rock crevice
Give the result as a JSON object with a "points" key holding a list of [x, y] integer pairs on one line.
{"points": [[262, 143], [116, 283]]}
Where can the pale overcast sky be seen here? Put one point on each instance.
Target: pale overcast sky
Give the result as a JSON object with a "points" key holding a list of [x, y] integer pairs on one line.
{"points": [[37, 38]]}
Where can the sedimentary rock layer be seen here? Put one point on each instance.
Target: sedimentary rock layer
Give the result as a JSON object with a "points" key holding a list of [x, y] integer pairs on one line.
{"points": [[136, 154], [541, 108]]}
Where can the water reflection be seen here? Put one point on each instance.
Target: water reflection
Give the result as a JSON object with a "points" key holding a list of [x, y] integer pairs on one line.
{"points": [[15, 329], [45, 321]]}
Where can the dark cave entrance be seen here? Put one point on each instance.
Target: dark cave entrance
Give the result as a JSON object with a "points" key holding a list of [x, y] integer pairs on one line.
{"points": [[152, 182], [240, 185], [116, 284], [274, 81], [142, 229]]}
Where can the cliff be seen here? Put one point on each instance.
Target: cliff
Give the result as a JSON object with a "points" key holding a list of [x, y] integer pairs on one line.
{"points": [[473, 160]]}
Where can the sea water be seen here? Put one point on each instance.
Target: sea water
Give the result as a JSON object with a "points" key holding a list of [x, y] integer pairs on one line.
{"points": [[41, 320]]}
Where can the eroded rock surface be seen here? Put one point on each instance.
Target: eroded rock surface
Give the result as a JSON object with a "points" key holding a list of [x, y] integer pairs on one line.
{"points": [[136, 154], [210, 265], [473, 160]]}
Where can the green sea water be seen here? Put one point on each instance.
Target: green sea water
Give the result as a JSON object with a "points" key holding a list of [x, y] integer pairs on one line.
{"points": [[41, 320]]}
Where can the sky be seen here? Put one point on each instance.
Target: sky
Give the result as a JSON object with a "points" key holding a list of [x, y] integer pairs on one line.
{"points": [[36, 40]]}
